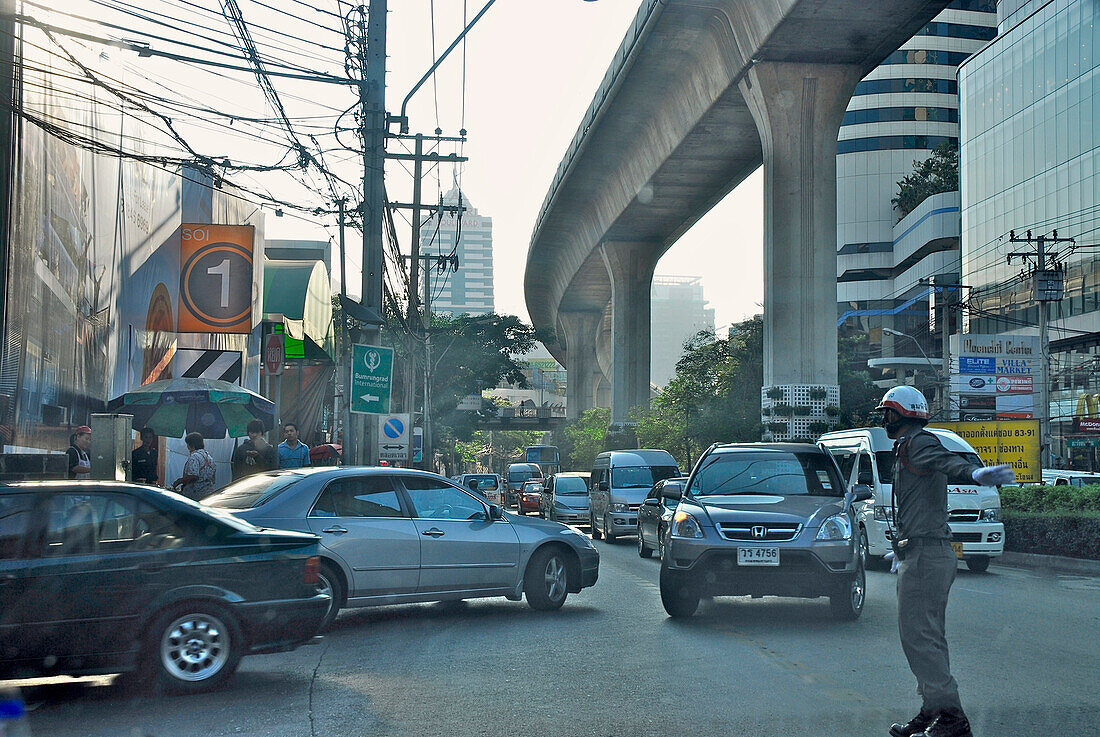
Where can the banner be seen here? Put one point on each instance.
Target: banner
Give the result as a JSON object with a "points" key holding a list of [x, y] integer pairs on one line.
{"points": [[216, 285], [1015, 442]]}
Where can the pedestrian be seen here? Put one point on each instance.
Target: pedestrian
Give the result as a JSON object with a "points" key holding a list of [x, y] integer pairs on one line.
{"points": [[926, 561], [80, 464], [197, 481], [292, 454], [143, 459], [254, 455]]}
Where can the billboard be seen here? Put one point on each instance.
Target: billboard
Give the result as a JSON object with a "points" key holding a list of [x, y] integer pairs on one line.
{"points": [[1015, 442]]}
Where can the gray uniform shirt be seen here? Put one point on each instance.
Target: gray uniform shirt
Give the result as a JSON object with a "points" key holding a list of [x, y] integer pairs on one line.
{"points": [[921, 473]]}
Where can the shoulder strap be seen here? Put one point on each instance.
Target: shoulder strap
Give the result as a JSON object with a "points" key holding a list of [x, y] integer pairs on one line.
{"points": [[903, 455]]}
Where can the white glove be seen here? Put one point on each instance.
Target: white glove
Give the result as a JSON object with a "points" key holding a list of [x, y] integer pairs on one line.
{"points": [[994, 475], [895, 564]]}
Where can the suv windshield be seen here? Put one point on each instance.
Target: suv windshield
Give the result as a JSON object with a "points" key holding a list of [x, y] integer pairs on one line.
{"points": [[570, 485], [484, 483], [767, 472], [523, 473], [252, 492], [641, 477]]}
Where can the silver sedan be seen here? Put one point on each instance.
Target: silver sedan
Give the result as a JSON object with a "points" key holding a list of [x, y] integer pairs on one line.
{"points": [[393, 536]]}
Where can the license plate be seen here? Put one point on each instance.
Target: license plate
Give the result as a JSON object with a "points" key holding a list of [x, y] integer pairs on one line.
{"points": [[758, 556], [958, 548]]}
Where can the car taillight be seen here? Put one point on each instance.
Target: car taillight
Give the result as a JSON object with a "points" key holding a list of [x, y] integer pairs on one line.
{"points": [[313, 568]]}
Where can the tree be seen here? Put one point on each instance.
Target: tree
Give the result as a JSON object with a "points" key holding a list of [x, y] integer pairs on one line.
{"points": [[938, 173], [588, 435], [858, 394]]}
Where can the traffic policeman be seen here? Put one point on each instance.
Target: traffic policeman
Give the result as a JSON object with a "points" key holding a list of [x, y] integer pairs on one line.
{"points": [[927, 563]]}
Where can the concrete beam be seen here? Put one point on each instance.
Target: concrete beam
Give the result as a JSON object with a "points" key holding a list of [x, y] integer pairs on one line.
{"points": [[630, 268], [580, 332], [798, 109]]}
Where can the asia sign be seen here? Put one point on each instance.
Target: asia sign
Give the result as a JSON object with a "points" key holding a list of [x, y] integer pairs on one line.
{"points": [[216, 278], [1015, 442], [371, 378]]}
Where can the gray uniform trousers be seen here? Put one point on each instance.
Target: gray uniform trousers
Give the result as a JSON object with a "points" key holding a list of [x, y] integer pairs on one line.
{"points": [[924, 580]]}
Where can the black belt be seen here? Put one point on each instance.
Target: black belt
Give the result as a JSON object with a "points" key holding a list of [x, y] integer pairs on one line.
{"points": [[923, 541]]}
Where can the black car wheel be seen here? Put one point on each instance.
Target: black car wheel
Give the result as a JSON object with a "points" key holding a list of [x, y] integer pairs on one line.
{"points": [[329, 582], [679, 596], [592, 527], [644, 551], [193, 647], [864, 547], [660, 543], [847, 602], [546, 581], [978, 564]]}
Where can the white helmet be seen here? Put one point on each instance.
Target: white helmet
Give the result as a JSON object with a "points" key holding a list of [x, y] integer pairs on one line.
{"points": [[906, 401]]}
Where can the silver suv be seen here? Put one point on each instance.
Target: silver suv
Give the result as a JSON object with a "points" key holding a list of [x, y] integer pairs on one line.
{"points": [[764, 519]]}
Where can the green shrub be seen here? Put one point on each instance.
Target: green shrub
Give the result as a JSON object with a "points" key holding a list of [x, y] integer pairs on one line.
{"points": [[802, 411], [1073, 535], [774, 393], [783, 409], [1051, 499]]}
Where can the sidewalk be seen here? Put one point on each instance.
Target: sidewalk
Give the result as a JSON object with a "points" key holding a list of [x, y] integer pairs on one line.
{"points": [[1049, 563]]}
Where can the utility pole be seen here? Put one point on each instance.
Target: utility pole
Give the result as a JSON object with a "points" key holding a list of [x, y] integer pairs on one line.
{"points": [[345, 338], [1049, 286]]}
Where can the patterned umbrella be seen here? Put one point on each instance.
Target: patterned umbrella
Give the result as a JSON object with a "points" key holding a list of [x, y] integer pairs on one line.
{"points": [[174, 407]]}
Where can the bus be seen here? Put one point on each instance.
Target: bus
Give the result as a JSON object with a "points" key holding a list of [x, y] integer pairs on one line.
{"points": [[545, 456]]}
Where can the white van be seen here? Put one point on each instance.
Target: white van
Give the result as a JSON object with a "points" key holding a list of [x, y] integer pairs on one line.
{"points": [[866, 456], [619, 483]]}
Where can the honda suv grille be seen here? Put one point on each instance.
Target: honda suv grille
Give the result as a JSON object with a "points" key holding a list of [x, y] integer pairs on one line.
{"points": [[766, 532]]}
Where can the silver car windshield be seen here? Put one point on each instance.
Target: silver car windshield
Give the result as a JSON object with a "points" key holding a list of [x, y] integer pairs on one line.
{"points": [[570, 486], [770, 472]]}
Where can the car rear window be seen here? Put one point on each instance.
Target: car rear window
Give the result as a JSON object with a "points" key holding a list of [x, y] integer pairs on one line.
{"points": [[767, 472], [570, 485], [484, 483], [641, 477], [252, 492]]}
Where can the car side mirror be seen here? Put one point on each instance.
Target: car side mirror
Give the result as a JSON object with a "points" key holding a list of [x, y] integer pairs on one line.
{"points": [[603, 486], [861, 493], [651, 502], [866, 478], [672, 493], [495, 512]]}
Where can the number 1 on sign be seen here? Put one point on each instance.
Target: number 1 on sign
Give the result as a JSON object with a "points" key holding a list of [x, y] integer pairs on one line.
{"points": [[222, 270]]}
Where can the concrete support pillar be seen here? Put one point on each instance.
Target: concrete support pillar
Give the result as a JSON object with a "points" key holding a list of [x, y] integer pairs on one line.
{"points": [[579, 331], [603, 392], [630, 267], [798, 109]]}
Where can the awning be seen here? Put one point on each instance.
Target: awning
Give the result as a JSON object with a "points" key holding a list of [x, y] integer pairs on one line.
{"points": [[297, 295]]}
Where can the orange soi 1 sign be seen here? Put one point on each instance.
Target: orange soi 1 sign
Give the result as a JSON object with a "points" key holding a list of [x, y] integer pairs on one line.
{"points": [[216, 278]]}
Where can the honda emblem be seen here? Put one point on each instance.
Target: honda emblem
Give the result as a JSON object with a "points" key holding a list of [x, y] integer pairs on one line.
{"points": [[759, 532]]}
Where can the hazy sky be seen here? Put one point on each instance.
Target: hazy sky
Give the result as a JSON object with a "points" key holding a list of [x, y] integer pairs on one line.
{"points": [[532, 69]]}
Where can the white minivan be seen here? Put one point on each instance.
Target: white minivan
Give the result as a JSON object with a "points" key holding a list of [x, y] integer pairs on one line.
{"points": [[619, 483], [866, 456]]}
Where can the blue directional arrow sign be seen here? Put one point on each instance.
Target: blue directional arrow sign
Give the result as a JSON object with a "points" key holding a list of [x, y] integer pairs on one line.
{"points": [[371, 378]]}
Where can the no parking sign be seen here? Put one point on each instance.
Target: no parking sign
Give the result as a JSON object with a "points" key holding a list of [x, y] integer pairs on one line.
{"points": [[393, 437]]}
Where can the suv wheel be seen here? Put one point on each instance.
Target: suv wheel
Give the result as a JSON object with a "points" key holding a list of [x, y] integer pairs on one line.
{"points": [[847, 602], [644, 551], [679, 596], [607, 533], [546, 581], [864, 547], [978, 564], [194, 647], [592, 527]]}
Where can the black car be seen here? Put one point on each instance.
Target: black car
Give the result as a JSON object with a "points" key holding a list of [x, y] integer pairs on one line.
{"points": [[101, 577], [764, 519], [655, 516]]}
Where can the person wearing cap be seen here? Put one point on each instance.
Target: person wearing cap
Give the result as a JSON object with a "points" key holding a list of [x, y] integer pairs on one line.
{"points": [[80, 464], [926, 561]]}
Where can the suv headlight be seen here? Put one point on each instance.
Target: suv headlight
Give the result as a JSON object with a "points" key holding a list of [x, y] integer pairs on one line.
{"points": [[619, 508], [882, 514], [684, 525], [837, 527], [992, 514]]}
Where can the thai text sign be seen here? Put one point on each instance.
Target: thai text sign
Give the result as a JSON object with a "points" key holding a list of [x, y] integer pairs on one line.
{"points": [[1015, 442]]}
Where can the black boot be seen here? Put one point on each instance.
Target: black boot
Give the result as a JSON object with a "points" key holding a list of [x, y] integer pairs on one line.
{"points": [[949, 724], [915, 726]]}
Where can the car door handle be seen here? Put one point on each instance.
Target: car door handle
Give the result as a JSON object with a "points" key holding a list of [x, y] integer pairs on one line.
{"points": [[336, 530], [6, 578], [434, 532]]}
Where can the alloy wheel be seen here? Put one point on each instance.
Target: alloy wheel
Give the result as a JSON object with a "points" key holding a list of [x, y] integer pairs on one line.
{"points": [[195, 647]]}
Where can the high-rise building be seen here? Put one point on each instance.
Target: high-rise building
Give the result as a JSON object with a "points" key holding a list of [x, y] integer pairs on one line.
{"points": [[898, 114], [1030, 161], [678, 311], [469, 236]]}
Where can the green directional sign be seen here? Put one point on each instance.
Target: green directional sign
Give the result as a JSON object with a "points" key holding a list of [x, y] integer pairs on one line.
{"points": [[371, 377]]}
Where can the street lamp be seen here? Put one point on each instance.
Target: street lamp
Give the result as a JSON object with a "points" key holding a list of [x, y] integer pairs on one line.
{"points": [[943, 379]]}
